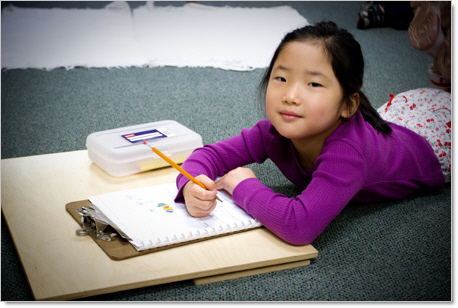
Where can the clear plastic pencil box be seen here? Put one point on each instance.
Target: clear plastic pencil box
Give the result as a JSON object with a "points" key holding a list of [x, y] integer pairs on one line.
{"points": [[122, 151]]}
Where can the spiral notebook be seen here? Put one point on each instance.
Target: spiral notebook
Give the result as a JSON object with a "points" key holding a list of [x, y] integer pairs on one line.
{"points": [[149, 218]]}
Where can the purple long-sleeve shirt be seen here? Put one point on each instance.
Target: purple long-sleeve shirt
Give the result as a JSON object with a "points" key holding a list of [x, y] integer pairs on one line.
{"points": [[356, 163]]}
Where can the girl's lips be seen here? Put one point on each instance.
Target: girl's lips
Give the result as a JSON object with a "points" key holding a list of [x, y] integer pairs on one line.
{"points": [[289, 115]]}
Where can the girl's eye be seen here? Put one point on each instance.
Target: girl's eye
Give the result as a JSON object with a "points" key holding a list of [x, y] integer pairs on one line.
{"points": [[314, 84], [282, 79]]}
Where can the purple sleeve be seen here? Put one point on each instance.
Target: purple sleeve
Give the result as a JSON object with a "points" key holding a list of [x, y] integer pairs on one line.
{"points": [[338, 177], [217, 159], [301, 219]]}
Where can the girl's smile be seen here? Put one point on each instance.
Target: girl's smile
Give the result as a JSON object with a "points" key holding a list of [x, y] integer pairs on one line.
{"points": [[289, 115]]}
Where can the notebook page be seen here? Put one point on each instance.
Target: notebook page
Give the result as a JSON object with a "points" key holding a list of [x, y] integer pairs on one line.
{"points": [[150, 217]]}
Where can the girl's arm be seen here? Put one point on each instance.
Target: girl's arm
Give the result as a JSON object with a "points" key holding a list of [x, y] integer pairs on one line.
{"points": [[211, 161], [299, 220]]}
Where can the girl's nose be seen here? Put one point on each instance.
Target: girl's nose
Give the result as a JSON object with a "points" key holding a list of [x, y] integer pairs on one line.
{"points": [[292, 95]]}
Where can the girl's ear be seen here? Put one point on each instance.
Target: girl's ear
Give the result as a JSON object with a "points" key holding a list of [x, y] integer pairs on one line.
{"points": [[352, 105]]}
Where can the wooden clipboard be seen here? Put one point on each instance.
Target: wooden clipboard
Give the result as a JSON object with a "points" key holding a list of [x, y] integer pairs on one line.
{"points": [[120, 248]]}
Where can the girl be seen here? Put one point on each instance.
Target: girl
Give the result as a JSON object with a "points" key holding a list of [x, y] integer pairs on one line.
{"points": [[324, 136]]}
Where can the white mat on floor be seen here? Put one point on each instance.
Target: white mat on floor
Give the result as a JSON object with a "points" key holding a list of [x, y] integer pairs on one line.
{"points": [[193, 35]]}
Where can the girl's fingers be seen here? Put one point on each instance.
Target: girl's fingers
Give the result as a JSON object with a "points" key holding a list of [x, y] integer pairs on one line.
{"points": [[199, 209], [199, 202]]}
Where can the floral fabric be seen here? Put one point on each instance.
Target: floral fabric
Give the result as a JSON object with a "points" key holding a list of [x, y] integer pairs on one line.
{"points": [[427, 112]]}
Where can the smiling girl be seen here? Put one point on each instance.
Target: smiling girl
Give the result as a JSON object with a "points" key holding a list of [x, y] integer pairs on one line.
{"points": [[324, 136]]}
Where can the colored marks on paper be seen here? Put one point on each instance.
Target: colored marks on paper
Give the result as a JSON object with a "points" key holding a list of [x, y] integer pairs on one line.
{"points": [[165, 207]]}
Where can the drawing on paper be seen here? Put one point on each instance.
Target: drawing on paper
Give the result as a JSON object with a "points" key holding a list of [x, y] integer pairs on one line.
{"points": [[165, 207]]}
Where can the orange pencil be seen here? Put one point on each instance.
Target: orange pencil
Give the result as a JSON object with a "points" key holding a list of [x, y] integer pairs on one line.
{"points": [[182, 171]]}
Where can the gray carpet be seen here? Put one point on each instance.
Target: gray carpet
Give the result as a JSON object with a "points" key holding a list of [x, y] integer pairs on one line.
{"points": [[395, 251]]}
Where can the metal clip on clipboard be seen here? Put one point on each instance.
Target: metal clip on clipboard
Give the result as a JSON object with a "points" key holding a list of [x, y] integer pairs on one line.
{"points": [[94, 223]]}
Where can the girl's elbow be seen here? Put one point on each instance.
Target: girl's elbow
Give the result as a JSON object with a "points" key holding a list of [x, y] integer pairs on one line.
{"points": [[299, 241], [294, 238]]}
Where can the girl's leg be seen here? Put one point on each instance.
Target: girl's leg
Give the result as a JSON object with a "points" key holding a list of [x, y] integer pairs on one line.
{"points": [[442, 62], [430, 32], [425, 31], [427, 112]]}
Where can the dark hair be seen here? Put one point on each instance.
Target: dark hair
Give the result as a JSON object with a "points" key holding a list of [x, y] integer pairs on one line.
{"points": [[346, 60]]}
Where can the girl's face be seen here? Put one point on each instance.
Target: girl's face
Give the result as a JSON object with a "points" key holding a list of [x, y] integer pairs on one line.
{"points": [[304, 97]]}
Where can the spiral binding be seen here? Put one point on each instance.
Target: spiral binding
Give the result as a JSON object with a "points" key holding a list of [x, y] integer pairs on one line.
{"points": [[197, 234]]}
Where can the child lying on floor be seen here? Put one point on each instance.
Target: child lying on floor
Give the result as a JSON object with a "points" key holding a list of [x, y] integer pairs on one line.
{"points": [[325, 137]]}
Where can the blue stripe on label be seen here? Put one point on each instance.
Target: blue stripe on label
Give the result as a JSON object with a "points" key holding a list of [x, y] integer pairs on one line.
{"points": [[146, 135]]}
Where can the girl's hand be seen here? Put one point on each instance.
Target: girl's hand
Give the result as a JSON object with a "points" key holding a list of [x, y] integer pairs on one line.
{"points": [[200, 202], [231, 179]]}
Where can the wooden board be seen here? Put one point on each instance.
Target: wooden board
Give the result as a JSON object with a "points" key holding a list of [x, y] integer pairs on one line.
{"points": [[60, 265], [251, 272]]}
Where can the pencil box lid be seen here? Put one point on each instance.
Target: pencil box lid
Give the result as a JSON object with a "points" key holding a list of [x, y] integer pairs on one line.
{"points": [[121, 151]]}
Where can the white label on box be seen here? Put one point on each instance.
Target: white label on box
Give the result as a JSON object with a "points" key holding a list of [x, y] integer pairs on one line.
{"points": [[147, 135]]}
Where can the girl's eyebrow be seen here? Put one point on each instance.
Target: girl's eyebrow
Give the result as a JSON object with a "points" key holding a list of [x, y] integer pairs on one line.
{"points": [[316, 73], [313, 73], [281, 67]]}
